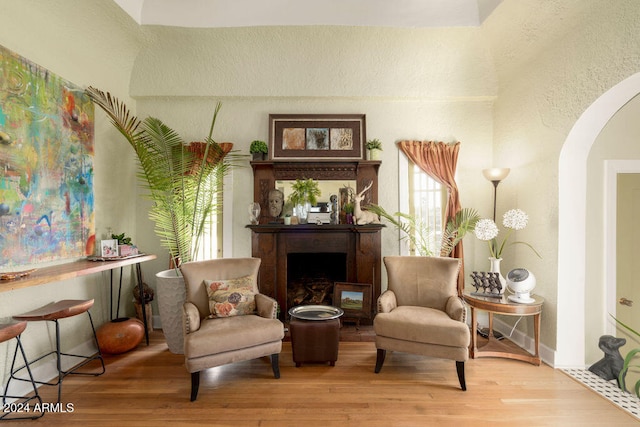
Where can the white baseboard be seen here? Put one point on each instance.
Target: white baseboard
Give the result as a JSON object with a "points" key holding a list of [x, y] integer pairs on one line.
{"points": [[526, 342]]}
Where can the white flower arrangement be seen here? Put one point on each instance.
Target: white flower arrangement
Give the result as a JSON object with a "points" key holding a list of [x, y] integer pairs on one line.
{"points": [[487, 230]]}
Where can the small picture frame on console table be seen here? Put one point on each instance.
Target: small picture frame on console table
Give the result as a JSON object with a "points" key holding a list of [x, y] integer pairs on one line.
{"points": [[317, 136], [354, 299], [109, 248]]}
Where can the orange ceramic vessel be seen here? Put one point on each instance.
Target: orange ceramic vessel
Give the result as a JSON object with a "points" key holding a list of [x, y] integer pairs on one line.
{"points": [[120, 335]]}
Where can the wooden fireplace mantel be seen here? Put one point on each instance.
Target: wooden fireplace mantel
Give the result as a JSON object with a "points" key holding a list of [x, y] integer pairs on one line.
{"points": [[272, 242]]}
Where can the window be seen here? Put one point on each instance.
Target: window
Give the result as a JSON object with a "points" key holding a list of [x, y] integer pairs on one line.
{"points": [[211, 243], [210, 247], [425, 199]]}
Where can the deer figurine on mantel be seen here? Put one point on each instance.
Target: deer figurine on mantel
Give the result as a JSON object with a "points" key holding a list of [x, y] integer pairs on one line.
{"points": [[363, 217]]}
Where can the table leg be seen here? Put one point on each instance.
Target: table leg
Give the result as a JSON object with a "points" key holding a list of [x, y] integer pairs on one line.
{"points": [[474, 333], [111, 294], [119, 294], [490, 333], [142, 302], [536, 331]]}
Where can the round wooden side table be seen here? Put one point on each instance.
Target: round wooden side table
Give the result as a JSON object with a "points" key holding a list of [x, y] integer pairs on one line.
{"points": [[495, 348]]}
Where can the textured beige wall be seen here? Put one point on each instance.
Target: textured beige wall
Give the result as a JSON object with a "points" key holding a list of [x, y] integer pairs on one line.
{"points": [[315, 62], [88, 43], [559, 57], [419, 84]]}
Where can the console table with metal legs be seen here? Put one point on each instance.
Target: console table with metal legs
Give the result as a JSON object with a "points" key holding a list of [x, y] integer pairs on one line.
{"points": [[494, 347], [140, 288], [83, 267]]}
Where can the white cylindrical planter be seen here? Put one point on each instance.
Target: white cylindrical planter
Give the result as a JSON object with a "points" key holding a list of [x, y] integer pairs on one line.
{"points": [[373, 154], [495, 268], [171, 294]]}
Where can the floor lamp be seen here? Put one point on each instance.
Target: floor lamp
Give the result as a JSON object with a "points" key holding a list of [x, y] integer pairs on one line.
{"points": [[495, 175]]}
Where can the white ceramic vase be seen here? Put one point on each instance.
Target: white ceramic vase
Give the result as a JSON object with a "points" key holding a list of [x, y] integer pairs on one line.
{"points": [[495, 268], [171, 293]]}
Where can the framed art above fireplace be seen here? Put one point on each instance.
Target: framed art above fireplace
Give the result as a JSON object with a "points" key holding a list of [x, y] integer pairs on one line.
{"points": [[317, 136]]}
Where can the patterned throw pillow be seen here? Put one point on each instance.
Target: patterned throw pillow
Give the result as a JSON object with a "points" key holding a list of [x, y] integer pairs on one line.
{"points": [[231, 297]]}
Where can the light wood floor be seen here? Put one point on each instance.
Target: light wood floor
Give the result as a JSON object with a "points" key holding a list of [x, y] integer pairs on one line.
{"points": [[150, 387]]}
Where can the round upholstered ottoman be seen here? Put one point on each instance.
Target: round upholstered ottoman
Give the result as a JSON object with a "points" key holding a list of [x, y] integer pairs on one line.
{"points": [[120, 335]]}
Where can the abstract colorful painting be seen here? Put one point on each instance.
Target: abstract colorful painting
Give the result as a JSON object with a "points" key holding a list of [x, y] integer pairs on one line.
{"points": [[46, 165]]}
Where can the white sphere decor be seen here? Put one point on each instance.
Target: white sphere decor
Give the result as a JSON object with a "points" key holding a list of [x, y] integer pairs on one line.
{"points": [[521, 282]]}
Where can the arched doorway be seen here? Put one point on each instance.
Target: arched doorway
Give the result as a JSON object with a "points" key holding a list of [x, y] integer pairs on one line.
{"points": [[572, 199]]}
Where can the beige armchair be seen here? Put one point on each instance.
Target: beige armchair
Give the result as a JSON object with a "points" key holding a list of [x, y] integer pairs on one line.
{"points": [[421, 313], [214, 341]]}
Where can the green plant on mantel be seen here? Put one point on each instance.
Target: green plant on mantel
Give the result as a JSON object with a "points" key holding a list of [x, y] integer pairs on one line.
{"points": [[303, 191], [374, 144], [348, 208], [258, 147], [184, 182]]}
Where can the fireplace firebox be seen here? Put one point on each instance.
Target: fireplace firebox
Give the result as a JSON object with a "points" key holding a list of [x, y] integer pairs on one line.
{"points": [[310, 277]]}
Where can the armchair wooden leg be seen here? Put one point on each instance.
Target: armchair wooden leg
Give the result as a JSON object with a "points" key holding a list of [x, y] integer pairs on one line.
{"points": [[460, 369], [380, 359], [195, 385], [275, 365]]}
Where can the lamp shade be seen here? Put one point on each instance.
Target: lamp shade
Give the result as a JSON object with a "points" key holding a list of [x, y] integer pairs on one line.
{"points": [[496, 174]]}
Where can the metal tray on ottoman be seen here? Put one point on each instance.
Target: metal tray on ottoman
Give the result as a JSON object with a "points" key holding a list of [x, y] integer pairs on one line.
{"points": [[317, 340]]}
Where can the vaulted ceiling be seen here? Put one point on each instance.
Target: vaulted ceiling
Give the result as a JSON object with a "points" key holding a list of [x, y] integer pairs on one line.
{"points": [[243, 13]]}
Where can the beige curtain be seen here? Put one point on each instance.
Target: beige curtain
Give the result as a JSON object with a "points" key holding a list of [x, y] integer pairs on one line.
{"points": [[439, 160]]}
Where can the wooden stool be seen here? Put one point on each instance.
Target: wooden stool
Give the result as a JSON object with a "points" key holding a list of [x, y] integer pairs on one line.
{"points": [[314, 340], [54, 312], [7, 332]]}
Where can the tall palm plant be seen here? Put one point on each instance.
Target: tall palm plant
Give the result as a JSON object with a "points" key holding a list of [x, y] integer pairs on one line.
{"points": [[183, 183], [414, 229], [419, 233], [457, 227]]}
